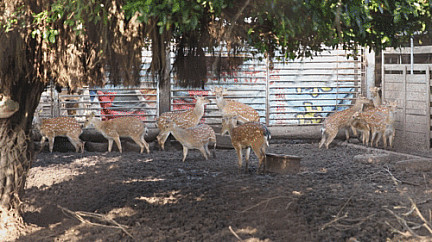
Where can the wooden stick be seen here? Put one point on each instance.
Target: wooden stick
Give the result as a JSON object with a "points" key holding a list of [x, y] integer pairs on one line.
{"points": [[235, 234]]}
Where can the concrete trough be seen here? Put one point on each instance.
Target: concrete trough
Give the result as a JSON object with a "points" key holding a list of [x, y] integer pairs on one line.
{"points": [[283, 164]]}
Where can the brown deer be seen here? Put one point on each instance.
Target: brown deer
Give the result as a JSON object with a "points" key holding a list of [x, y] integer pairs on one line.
{"points": [[228, 107], [184, 119], [113, 129], [376, 98], [382, 122], [340, 120], [61, 126], [248, 135], [197, 137], [362, 126]]}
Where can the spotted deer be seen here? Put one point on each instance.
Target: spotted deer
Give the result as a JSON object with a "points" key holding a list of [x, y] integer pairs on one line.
{"points": [[244, 112], [113, 129], [197, 137], [340, 120], [184, 119], [60, 126], [390, 131], [376, 98], [362, 126], [248, 135], [381, 121]]}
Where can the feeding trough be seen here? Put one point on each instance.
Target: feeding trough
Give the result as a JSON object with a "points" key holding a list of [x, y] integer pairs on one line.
{"points": [[281, 163]]}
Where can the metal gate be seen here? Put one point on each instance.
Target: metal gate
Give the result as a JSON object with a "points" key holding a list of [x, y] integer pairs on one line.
{"points": [[300, 92]]}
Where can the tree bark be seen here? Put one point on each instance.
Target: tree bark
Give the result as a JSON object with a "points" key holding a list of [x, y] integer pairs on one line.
{"points": [[16, 152]]}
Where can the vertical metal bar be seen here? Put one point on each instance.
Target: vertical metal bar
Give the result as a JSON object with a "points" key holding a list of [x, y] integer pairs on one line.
{"points": [[428, 117], [412, 55], [267, 109], [404, 101], [383, 90]]}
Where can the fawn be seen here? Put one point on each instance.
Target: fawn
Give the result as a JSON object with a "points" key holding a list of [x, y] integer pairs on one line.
{"points": [[185, 119], [340, 120], [248, 135], [197, 137], [244, 113], [362, 126], [61, 126], [382, 124], [113, 129], [376, 98]]}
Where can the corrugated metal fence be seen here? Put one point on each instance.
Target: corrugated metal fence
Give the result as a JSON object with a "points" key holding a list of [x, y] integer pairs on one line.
{"points": [[300, 92]]}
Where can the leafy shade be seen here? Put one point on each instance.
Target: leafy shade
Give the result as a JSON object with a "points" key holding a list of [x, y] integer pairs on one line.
{"points": [[69, 42], [298, 28]]}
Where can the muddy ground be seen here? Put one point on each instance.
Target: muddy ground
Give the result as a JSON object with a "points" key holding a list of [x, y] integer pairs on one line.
{"points": [[99, 196]]}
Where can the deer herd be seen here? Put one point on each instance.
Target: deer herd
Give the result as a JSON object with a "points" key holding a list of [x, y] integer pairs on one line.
{"points": [[370, 119]]}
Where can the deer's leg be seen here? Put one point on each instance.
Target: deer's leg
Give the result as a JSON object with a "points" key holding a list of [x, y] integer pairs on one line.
{"points": [[185, 152], [161, 138], [110, 143], [204, 152], [354, 130], [207, 149], [259, 154], [42, 143], [51, 143], [323, 137], [137, 140], [248, 149], [347, 136], [366, 135], [331, 135], [378, 137], [75, 141], [239, 156], [146, 145], [118, 143]]}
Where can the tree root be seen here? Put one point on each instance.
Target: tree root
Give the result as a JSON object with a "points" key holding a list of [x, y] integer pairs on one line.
{"points": [[81, 214]]}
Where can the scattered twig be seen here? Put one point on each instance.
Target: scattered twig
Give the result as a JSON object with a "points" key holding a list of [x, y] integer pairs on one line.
{"points": [[235, 234], [80, 216], [426, 224], [359, 221], [397, 181], [410, 230], [333, 221]]}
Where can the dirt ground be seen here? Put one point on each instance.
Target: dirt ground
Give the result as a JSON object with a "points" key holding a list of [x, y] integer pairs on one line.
{"points": [[99, 196]]}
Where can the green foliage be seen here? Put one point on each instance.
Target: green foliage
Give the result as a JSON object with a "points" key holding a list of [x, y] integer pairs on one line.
{"points": [[70, 13], [176, 16]]}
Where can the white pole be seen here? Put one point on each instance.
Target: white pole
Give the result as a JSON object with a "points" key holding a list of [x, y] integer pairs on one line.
{"points": [[412, 55]]}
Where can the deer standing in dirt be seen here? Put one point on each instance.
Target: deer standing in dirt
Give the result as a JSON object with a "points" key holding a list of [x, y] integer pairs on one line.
{"points": [[248, 135], [244, 112], [197, 137], [381, 120], [340, 120], [60, 126], [362, 126], [390, 131], [113, 129], [184, 119]]}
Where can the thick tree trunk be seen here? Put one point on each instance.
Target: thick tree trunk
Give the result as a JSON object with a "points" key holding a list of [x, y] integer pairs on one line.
{"points": [[16, 154]]}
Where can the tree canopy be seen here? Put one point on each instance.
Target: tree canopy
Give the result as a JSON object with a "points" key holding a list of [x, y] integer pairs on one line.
{"points": [[85, 41]]}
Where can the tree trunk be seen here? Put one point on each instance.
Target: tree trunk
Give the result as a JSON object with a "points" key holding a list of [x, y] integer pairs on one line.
{"points": [[16, 154]]}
